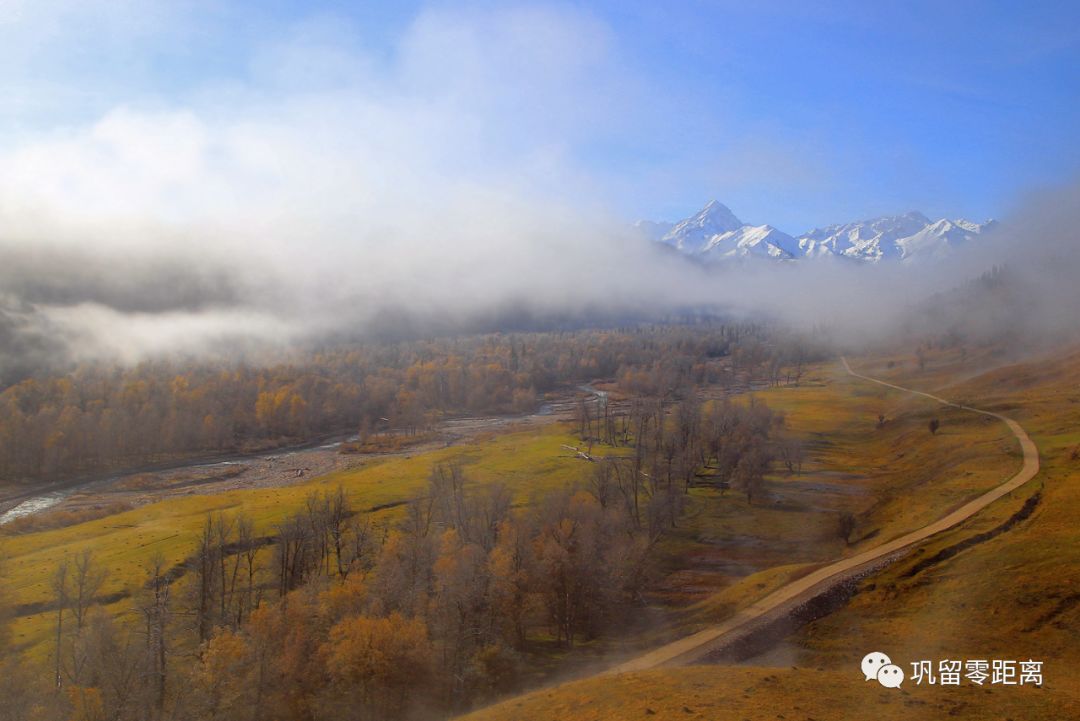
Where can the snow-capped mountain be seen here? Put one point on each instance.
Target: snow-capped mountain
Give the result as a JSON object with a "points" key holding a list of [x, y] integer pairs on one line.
{"points": [[897, 236], [693, 234], [867, 240], [939, 237], [751, 240], [714, 234]]}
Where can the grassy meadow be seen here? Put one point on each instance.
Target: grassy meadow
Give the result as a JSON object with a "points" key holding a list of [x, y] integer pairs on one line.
{"points": [[525, 460], [725, 553], [893, 479], [1009, 591]]}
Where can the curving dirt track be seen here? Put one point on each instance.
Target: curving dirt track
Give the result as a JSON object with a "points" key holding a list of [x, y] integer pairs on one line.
{"points": [[788, 599]]}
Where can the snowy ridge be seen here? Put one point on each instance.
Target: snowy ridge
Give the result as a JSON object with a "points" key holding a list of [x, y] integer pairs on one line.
{"points": [[715, 234], [751, 240], [693, 234]]}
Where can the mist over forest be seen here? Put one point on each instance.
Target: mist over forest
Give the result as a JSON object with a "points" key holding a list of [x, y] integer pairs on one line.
{"points": [[337, 191], [166, 291]]}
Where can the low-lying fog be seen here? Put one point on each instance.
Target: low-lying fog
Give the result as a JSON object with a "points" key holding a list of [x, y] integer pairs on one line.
{"points": [[436, 189]]}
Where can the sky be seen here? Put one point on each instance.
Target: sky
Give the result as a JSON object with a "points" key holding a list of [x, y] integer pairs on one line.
{"points": [[191, 177], [797, 114]]}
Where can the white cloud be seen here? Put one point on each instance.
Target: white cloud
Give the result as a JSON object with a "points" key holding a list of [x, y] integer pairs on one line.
{"points": [[443, 182], [444, 179]]}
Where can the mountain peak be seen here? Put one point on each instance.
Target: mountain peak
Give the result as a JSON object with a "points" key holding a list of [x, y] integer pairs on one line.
{"points": [[720, 213], [693, 234], [714, 232]]}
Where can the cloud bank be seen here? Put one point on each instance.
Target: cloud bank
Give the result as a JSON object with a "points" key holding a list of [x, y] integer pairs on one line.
{"points": [[331, 189], [339, 193]]}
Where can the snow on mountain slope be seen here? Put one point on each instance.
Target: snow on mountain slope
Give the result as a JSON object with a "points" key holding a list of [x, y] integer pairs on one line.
{"points": [[762, 241], [714, 233], [898, 236], [939, 238], [867, 240], [693, 234]]}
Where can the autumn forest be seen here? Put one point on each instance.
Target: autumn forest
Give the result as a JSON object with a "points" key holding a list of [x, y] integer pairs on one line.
{"points": [[456, 596]]}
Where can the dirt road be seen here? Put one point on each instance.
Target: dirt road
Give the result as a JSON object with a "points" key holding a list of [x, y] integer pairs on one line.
{"points": [[799, 592]]}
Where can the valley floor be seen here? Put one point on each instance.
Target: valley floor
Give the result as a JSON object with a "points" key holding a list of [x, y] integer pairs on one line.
{"points": [[1001, 585], [868, 455]]}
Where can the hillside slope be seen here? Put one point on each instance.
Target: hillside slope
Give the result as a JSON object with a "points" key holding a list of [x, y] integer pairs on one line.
{"points": [[1000, 586]]}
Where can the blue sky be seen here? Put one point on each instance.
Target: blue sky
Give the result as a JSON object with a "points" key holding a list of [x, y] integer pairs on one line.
{"points": [[796, 114]]}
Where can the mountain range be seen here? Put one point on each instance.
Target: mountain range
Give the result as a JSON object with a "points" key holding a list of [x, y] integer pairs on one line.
{"points": [[715, 234]]}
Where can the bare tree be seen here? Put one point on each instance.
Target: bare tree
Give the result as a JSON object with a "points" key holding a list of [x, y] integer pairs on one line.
{"points": [[86, 580], [446, 492], [248, 547], [155, 610], [751, 469], [59, 584], [292, 553], [110, 663], [584, 419], [204, 565], [338, 512], [5, 608], [601, 482], [791, 454], [228, 565]]}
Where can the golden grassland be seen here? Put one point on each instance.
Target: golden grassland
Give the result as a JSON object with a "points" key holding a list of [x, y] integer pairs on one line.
{"points": [[915, 476], [895, 478], [717, 693], [526, 460], [1014, 596]]}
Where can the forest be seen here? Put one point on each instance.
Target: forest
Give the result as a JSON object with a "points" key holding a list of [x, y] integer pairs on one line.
{"points": [[107, 417], [459, 597]]}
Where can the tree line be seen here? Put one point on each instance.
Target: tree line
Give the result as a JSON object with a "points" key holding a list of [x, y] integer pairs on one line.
{"points": [[333, 612], [447, 601], [108, 418], [333, 616]]}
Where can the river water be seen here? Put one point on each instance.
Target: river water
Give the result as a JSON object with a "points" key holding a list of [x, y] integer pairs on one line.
{"points": [[36, 504]]}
